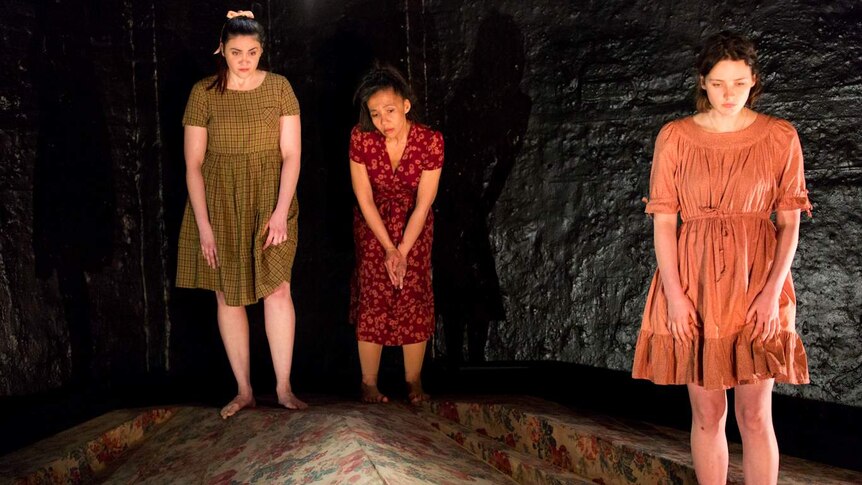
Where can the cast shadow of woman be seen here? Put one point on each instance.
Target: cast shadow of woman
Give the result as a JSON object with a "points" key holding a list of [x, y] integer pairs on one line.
{"points": [[486, 123]]}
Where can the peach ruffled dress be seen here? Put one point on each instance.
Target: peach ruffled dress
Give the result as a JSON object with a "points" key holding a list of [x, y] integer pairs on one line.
{"points": [[725, 186]]}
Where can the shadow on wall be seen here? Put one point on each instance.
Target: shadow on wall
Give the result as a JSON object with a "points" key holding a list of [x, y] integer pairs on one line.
{"points": [[486, 123], [73, 205]]}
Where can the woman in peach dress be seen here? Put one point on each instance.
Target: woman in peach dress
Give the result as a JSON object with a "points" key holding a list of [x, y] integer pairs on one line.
{"points": [[721, 308]]}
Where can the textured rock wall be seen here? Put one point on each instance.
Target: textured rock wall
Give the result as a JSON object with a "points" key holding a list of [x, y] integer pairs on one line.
{"points": [[549, 111]]}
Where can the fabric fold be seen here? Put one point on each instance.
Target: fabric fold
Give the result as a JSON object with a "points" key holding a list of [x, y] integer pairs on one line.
{"points": [[721, 363]]}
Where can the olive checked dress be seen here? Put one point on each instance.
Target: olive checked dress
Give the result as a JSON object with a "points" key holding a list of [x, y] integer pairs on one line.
{"points": [[383, 314], [242, 174], [725, 186]]}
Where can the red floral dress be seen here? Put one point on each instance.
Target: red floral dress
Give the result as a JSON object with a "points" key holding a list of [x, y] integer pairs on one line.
{"points": [[382, 313]]}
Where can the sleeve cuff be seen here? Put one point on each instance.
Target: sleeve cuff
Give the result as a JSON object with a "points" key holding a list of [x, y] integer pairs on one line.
{"points": [[662, 206]]}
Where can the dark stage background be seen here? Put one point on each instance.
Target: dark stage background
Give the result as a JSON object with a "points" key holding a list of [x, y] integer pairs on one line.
{"points": [[542, 251]]}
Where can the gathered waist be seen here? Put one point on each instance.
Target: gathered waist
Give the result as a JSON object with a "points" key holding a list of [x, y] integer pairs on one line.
{"points": [[719, 214], [269, 152], [721, 231]]}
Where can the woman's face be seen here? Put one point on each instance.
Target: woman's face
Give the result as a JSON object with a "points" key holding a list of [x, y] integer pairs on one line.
{"points": [[242, 54], [727, 86], [388, 112]]}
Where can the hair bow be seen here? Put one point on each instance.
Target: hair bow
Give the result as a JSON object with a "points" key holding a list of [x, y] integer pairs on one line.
{"points": [[242, 13], [232, 14]]}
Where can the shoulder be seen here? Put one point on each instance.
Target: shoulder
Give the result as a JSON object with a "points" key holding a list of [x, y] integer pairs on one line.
{"points": [[202, 85], [360, 137], [426, 130], [671, 131], [427, 133], [277, 79], [779, 128], [357, 133]]}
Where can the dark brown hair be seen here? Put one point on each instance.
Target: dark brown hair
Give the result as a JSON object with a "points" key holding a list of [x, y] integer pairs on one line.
{"points": [[720, 47], [381, 76], [234, 27]]}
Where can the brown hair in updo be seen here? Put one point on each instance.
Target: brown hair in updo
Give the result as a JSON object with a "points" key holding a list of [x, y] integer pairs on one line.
{"points": [[234, 27]]}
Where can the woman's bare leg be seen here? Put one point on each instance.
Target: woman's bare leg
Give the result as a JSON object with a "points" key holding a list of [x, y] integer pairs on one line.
{"points": [[759, 446], [414, 355], [280, 318], [369, 360], [708, 441], [233, 326]]}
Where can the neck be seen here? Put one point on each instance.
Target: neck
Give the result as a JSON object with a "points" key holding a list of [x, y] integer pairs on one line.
{"points": [[401, 135], [724, 124], [236, 82]]}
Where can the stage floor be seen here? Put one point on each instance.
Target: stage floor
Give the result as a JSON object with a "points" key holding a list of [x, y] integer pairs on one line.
{"points": [[489, 440]]}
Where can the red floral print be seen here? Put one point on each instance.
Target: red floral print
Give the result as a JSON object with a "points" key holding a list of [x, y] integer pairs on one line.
{"points": [[382, 313]]}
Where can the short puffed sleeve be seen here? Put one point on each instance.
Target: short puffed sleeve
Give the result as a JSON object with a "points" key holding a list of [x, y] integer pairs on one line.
{"points": [[792, 192], [663, 195], [434, 150], [197, 108], [357, 145], [288, 103]]}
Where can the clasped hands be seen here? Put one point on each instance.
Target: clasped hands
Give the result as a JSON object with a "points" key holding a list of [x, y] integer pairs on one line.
{"points": [[396, 266], [763, 313]]}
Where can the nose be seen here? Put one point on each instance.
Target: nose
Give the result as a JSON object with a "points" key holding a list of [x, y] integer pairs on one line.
{"points": [[729, 92]]}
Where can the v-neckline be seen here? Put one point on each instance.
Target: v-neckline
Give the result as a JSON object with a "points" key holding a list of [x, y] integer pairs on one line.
{"points": [[393, 167]]}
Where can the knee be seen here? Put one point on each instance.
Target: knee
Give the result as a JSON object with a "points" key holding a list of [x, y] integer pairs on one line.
{"points": [[709, 415], [280, 294], [753, 419]]}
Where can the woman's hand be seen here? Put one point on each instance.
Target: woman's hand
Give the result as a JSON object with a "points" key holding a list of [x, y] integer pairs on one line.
{"points": [[208, 245], [763, 312], [401, 269], [277, 228], [681, 316], [396, 266]]}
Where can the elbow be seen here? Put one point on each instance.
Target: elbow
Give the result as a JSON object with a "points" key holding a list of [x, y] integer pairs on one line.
{"points": [[290, 160], [424, 210]]}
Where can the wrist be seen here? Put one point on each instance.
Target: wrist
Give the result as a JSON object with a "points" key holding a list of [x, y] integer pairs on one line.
{"points": [[674, 294], [771, 290]]}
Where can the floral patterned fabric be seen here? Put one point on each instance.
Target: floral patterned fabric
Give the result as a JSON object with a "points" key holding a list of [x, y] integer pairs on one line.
{"points": [[382, 313], [607, 450], [524, 468], [79, 454], [333, 443], [525, 439]]}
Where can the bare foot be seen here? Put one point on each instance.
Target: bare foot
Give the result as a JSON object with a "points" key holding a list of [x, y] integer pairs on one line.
{"points": [[290, 401], [236, 404], [371, 394], [416, 395]]}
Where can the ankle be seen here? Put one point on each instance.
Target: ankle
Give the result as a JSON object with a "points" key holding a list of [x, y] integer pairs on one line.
{"points": [[283, 388], [369, 380]]}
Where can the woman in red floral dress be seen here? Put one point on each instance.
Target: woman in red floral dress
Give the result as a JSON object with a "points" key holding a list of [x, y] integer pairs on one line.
{"points": [[395, 166]]}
